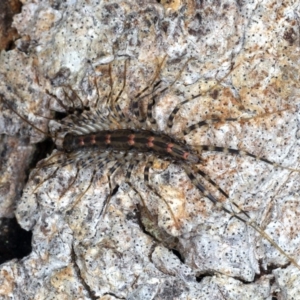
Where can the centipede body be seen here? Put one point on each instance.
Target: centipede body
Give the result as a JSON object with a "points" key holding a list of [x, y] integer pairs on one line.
{"points": [[132, 248], [115, 143]]}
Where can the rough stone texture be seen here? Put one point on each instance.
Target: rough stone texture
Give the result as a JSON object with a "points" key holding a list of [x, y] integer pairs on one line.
{"points": [[15, 153], [8, 34], [244, 60]]}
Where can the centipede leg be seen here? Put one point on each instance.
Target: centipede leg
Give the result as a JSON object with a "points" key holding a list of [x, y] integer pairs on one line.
{"points": [[232, 151], [132, 164], [76, 96], [114, 102], [117, 114], [156, 92], [213, 199], [247, 220], [48, 164], [140, 96], [71, 183], [49, 177], [110, 172], [58, 101], [87, 161], [146, 180], [82, 193], [214, 184]]}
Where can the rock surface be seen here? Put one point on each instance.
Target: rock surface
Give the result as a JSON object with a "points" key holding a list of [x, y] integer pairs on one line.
{"points": [[242, 60]]}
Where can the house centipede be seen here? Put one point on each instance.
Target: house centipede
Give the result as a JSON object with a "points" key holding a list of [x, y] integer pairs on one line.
{"points": [[96, 138]]}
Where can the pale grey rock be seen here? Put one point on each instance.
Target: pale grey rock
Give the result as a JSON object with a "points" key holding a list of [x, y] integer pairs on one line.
{"points": [[244, 63]]}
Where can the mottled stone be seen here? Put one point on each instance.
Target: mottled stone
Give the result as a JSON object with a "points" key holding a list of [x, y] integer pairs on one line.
{"points": [[241, 61]]}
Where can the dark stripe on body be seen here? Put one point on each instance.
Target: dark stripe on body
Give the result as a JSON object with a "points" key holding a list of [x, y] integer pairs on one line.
{"points": [[127, 139]]}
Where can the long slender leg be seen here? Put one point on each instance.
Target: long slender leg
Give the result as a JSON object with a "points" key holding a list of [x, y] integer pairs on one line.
{"points": [[132, 164], [109, 102], [207, 178], [71, 183], [60, 163], [49, 177], [146, 180], [117, 116], [83, 193], [110, 172], [206, 122], [76, 96], [179, 105], [245, 218], [60, 102], [54, 173], [208, 148], [114, 103], [138, 97], [22, 117], [156, 92], [49, 161]]}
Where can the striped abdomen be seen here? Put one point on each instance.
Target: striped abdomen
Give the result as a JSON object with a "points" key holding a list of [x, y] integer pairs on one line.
{"points": [[127, 139]]}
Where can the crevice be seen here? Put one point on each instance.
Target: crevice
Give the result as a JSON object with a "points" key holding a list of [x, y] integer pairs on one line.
{"points": [[269, 270], [114, 295], [8, 34], [178, 254], [15, 242], [148, 224], [90, 292], [201, 276], [43, 149]]}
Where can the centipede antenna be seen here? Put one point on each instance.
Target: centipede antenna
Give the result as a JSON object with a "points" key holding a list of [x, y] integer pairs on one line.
{"points": [[76, 96], [57, 99], [23, 118]]}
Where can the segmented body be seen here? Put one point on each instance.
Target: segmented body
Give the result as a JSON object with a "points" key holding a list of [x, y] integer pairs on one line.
{"points": [[131, 140], [94, 139]]}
